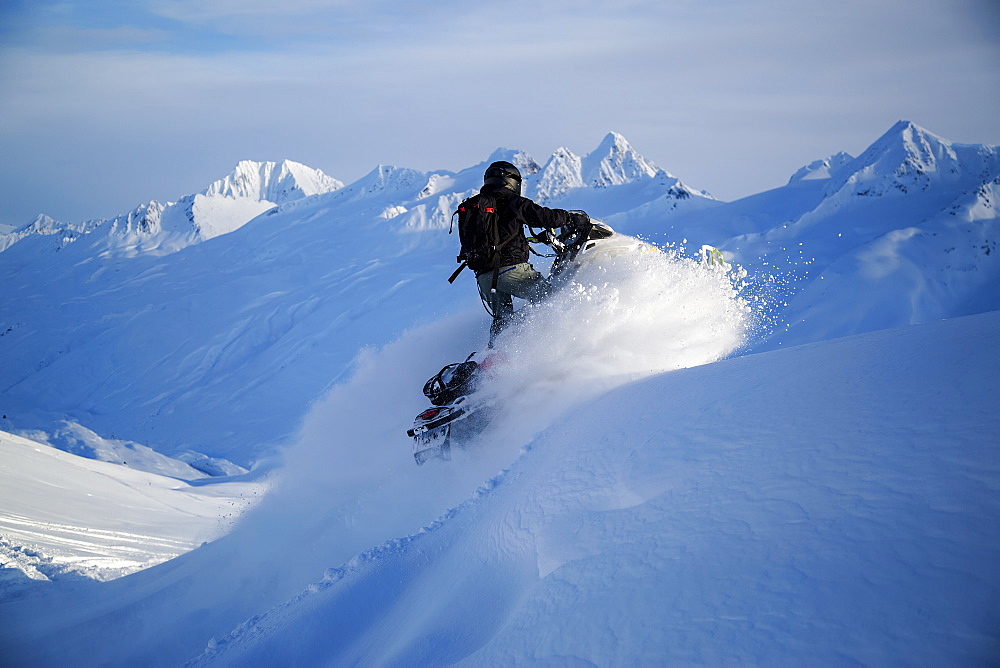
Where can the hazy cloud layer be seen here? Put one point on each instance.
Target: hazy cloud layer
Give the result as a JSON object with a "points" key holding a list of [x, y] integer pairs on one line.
{"points": [[107, 104]]}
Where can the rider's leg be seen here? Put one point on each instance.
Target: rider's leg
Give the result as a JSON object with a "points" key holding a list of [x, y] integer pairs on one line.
{"points": [[500, 304], [519, 280], [523, 282]]}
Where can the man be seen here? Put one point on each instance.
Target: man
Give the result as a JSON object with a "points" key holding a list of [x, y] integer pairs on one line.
{"points": [[506, 273]]}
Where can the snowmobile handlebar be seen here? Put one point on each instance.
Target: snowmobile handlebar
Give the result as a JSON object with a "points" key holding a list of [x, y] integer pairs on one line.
{"points": [[571, 240]]}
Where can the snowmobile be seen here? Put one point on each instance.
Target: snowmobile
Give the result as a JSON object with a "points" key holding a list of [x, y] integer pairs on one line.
{"points": [[461, 407]]}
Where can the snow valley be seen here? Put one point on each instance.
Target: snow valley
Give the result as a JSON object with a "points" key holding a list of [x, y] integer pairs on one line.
{"points": [[679, 480]]}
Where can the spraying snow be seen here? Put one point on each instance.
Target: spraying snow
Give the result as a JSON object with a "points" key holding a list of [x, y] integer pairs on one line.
{"points": [[632, 311]]}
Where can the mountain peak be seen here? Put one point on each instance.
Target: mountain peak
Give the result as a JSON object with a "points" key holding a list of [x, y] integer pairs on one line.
{"points": [[561, 173], [272, 182], [908, 159], [615, 162], [42, 224], [613, 142], [917, 141], [523, 161]]}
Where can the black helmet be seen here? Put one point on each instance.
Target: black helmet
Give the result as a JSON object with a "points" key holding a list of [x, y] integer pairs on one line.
{"points": [[503, 174]]}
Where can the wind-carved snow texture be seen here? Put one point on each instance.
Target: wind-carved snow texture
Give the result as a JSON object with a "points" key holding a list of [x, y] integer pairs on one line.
{"points": [[814, 505]]}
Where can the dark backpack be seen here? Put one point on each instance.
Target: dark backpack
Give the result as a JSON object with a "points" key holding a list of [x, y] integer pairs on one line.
{"points": [[479, 233]]}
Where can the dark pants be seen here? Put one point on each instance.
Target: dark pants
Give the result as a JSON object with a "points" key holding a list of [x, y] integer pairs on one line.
{"points": [[519, 280]]}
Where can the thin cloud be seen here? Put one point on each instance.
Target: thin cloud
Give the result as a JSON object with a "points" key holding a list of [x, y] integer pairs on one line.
{"points": [[732, 97]]}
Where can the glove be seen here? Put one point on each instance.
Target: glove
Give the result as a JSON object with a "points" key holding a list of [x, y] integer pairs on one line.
{"points": [[579, 220]]}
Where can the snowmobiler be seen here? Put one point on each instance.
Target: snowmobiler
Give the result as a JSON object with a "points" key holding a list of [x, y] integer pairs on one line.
{"points": [[461, 402], [491, 230]]}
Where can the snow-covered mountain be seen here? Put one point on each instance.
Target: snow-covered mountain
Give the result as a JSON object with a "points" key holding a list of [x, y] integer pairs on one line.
{"points": [[909, 159], [272, 182], [904, 234], [45, 226], [160, 228], [295, 343], [614, 163]]}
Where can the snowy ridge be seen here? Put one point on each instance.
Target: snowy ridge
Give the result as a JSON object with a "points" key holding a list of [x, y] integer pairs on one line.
{"points": [[562, 173], [827, 168], [909, 158], [524, 162], [615, 165], [161, 228], [43, 225], [386, 179], [78, 440], [252, 189]]}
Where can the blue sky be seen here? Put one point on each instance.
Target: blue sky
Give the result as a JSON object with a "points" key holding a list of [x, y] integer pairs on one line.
{"points": [[107, 104]]}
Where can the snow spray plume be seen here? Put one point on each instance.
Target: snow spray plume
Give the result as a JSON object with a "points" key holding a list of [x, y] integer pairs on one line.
{"points": [[350, 482], [634, 311]]}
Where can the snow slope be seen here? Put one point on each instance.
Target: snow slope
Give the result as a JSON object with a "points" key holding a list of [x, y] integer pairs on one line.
{"points": [[64, 517], [827, 504]]}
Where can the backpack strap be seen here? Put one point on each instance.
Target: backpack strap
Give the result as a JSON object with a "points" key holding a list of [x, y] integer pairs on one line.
{"points": [[451, 279], [465, 263]]}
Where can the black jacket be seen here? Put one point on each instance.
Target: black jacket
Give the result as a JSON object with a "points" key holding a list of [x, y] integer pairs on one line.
{"points": [[514, 213]]}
